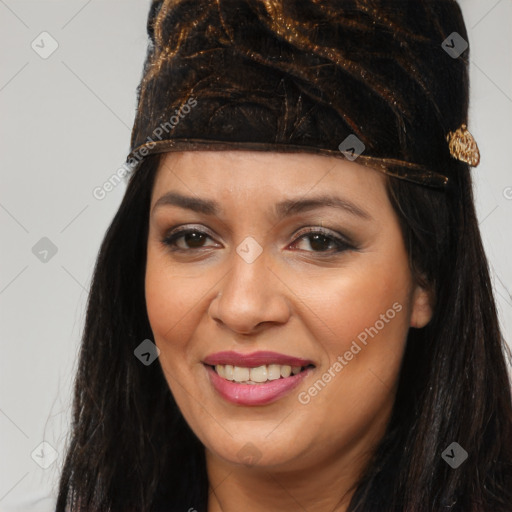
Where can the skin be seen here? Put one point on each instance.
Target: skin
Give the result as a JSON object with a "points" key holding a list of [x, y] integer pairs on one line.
{"points": [[297, 298]]}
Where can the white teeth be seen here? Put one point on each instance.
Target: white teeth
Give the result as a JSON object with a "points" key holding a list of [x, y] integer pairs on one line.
{"points": [[273, 371], [240, 374], [286, 371], [228, 372], [259, 374], [256, 375]]}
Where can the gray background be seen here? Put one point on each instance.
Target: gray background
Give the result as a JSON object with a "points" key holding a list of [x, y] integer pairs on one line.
{"points": [[65, 130]]}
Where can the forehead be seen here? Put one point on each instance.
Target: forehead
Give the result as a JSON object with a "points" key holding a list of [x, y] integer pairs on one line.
{"points": [[263, 174]]}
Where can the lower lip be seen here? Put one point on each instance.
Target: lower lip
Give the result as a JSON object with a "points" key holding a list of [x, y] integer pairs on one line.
{"points": [[255, 394]]}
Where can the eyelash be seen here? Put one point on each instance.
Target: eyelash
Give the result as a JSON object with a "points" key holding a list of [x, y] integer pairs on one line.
{"points": [[341, 244]]}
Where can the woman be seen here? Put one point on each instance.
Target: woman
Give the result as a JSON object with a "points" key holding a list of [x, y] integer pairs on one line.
{"points": [[292, 307]]}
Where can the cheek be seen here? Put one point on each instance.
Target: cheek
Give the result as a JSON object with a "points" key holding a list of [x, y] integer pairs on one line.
{"points": [[368, 294], [362, 330], [364, 322], [346, 302], [170, 305]]}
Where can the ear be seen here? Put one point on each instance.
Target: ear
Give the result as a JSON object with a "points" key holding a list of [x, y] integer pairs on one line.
{"points": [[422, 307]]}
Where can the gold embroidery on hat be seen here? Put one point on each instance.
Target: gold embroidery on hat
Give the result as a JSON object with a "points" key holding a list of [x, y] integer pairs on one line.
{"points": [[463, 146]]}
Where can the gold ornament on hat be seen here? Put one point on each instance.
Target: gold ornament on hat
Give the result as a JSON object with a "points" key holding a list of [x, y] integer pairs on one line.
{"points": [[463, 146]]}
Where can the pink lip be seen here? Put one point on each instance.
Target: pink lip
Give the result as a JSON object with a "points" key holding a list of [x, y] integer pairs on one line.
{"points": [[255, 394], [254, 359]]}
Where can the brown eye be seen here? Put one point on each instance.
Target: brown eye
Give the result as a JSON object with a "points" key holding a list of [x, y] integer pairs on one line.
{"points": [[320, 242], [323, 241], [192, 238]]}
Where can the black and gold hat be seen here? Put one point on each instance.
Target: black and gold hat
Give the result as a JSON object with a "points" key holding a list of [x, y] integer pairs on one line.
{"points": [[357, 79]]}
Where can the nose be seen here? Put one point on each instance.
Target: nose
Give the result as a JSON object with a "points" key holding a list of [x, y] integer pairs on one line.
{"points": [[251, 297]]}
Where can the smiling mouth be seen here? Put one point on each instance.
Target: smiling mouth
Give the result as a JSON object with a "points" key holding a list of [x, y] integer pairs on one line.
{"points": [[257, 375]]}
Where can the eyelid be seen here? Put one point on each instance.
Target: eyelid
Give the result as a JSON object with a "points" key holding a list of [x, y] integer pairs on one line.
{"points": [[342, 242], [326, 232], [170, 237], [183, 228]]}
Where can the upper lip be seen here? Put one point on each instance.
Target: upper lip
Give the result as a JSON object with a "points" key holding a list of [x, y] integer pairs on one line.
{"points": [[254, 359]]}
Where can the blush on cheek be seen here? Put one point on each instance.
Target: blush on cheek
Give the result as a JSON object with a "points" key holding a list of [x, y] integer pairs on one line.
{"points": [[357, 308], [157, 304], [174, 312], [367, 330]]}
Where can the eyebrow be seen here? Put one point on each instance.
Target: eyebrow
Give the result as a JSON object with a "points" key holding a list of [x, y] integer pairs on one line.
{"points": [[282, 209]]}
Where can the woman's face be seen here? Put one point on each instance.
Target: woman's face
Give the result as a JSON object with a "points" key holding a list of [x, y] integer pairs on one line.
{"points": [[288, 263]]}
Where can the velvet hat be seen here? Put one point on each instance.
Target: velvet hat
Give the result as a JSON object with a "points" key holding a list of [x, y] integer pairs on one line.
{"points": [[365, 80]]}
